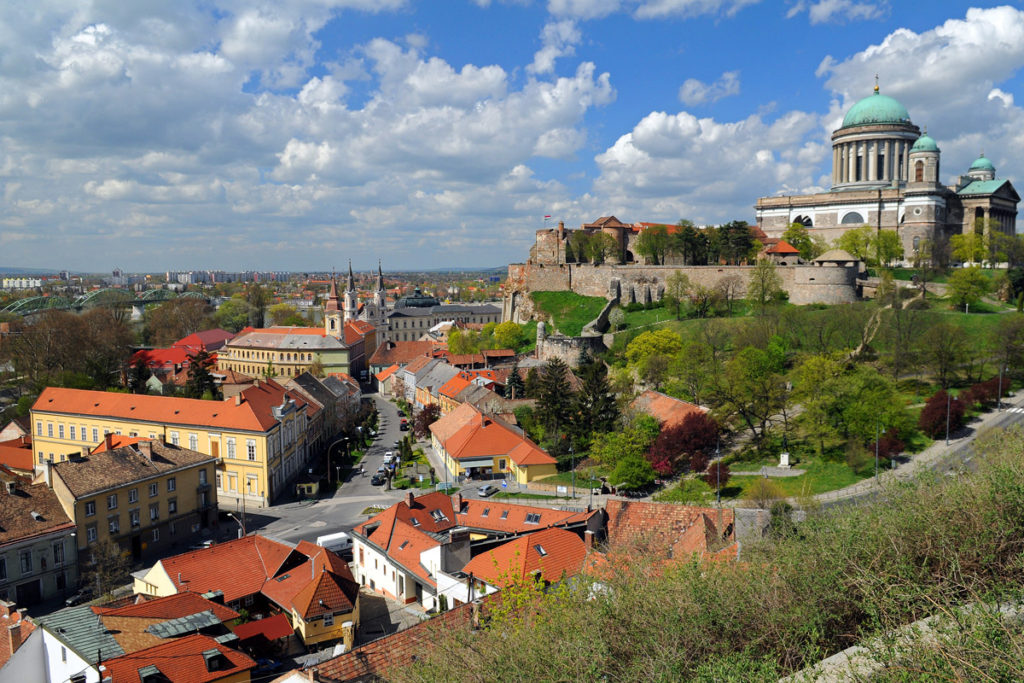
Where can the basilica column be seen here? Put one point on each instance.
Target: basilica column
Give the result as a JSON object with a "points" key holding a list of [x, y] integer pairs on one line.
{"points": [[851, 167], [906, 160], [835, 166], [888, 160], [872, 159]]}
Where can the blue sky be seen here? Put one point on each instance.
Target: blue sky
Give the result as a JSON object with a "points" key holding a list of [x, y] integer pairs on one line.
{"points": [[297, 135]]}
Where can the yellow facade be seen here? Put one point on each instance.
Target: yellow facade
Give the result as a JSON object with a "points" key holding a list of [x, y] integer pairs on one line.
{"points": [[257, 362], [252, 467], [326, 628], [500, 464]]}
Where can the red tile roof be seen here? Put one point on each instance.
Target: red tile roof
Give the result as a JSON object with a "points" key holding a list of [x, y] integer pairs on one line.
{"points": [[666, 409], [160, 358], [356, 330], [207, 340], [668, 529], [180, 660], [9, 619], [400, 352], [782, 247], [452, 387], [553, 553], [169, 607], [384, 374], [467, 433], [17, 454], [270, 628], [506, 518], [112, 441]]}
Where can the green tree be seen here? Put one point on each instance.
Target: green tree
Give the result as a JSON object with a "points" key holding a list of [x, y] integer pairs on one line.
{"points": [[232, 315], [531, 387], [508, 335], [258, 297], [286, 314], [677, 287], [138, 375], [944, 348], [737, 242], [886, 247], [514, 387], [608, 448], [752, 389], [632, 473], [799, 238], [967, 285], [690, 244], [653, 243], [857, 242], [646, 344], [764, 285], [602, 247], [594, 406], [969, 247], [579, 241], [174, 319], [200, 383], [555, 401]]}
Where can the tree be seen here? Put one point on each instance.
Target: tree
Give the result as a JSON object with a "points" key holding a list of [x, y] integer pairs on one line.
{"points": [[934, 415], [703, 298], [968, 247], [555, 401], [200, 383], [602, 247], [138, 375], [632, 473], [799, 238], [285, 314], [857, 242], [967, 285], [616, 318], [257, 296], [514, 387], [753, 389], [677, 287], [662, 341], [531, 387], [424, 418], [944, 347], [765, 285], [762, 492], [174, 319], [677, 444], [107, 568], [653, 243], [886, 247], [717, 475], [780, 522], [576, 248], [692, 369], [608, 448], [232, 315], [594, 405], [689, 243], [508, 335], [729, 289], [737, 243]]}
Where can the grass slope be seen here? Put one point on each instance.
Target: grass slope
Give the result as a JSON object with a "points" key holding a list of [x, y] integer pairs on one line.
{"points": [[568, 311]]}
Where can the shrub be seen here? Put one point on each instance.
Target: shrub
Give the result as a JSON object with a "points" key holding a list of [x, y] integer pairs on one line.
{"points": [[933, 417], [762, 492], [717, 475], [889, 444]]}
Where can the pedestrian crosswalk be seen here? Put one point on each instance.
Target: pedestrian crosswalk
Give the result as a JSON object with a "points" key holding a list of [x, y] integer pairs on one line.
{"points": [[1015, 410]]}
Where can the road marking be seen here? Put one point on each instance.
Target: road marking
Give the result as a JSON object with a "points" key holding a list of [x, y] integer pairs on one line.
{"points": [[1016, 410]]}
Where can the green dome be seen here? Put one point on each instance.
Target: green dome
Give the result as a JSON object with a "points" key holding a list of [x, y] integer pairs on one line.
{"points": [[876, 108], [982, 164], [925, 144]]}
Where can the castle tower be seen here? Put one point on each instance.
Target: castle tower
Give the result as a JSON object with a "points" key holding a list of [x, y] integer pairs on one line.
{"points": [[351, 296], [332, 312]]}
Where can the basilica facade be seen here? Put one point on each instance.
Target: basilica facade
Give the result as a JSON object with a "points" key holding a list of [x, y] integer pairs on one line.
{"points": [[886, 174]]}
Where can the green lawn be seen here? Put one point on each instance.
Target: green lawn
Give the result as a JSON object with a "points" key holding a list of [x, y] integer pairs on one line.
{"points": [[568, 311], [565, 478], [524, 496], [819, 478]]}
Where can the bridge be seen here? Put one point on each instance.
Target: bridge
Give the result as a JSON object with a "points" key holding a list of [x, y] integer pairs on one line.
{"points": [[109, 297]]}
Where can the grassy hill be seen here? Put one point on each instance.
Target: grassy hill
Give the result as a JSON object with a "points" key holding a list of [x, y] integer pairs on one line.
{"points": [[568, 311]]}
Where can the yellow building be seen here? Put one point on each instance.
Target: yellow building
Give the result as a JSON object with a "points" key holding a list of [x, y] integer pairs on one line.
{"points": [[145, 497], [283, 352], [474, 444], [258, 437]]}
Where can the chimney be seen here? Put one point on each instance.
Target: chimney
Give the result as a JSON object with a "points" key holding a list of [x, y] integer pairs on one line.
{"points": [[588, 539], [476, 614], [48, 472], [410, 498], [256, 382], [238, 399], [458, 502], [108, 441], [11, 487], [14, 636], [85, 452], [146, 450]]}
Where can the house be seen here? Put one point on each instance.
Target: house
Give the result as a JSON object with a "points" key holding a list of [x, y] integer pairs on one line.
{"points": [[37, 558], [15, 628], [17, 455], [780, 252], [258, 436], [207, 340], [406, 380], [667, 410], [146, 497], [309, 584], [669, 531], [385, 380], [549, 556], [399, 353], [430, 382], [283, 352], [417, 549], [361, 338], [474, 444], [16, 428]]}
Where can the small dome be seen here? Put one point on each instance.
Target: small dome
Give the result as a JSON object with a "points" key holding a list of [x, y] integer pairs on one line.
{"points": [[982, 164], [876, 108], [925, 144]]}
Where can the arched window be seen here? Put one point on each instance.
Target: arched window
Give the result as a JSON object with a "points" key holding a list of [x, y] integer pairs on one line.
{"points": [[917, 243], [853, 218], [919, 172]]}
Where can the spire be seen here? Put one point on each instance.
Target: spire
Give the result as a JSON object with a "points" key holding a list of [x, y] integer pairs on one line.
{"points": [[332, 298], [380, 277], [876, 84], [351, 279]]}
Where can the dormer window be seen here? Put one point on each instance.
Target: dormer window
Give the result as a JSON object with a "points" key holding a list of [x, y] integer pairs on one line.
{"points": [[540, 549], [438, 516]]}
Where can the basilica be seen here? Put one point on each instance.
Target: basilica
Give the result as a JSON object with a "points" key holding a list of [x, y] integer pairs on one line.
{"points": [[886, 174]]}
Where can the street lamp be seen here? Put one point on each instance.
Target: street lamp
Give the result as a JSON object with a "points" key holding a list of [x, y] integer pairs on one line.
{"points": [[718, 470], [876, 451], [947, 417], [572, 457], [241, 524], [999, 394]]}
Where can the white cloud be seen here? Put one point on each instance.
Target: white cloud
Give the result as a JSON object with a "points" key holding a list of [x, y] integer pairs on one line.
{"points": [[559, 39], [834, 11], [694, 92], [645, 9]]}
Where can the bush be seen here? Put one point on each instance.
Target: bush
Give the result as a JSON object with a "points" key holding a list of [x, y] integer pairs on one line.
{"points": [[762, 492], [889, 444], [933, 417], [717, 475]]}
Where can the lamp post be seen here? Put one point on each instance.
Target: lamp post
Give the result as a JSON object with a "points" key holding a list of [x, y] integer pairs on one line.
{"points": [[947, 417], [241, 524], [572, 457], [999, 394], [718, 470], [876, 451]]}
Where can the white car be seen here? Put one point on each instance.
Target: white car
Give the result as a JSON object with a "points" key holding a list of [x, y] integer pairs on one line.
{"points": [[388, 457]]}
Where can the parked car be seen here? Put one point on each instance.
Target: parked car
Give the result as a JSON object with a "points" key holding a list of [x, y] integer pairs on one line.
{"points": [[83, 594], [388, 457], [404, 426], [487, 490], [378, 479]]}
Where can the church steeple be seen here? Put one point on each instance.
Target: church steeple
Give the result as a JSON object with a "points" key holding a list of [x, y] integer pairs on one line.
{"points": [[332, 311], [380, 278], [351, 296]]}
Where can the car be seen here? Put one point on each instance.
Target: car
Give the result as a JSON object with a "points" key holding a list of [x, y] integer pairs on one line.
{"points": [[487, 490], [265, 666], [382, 469], [378, 479], [389, 457], [82, 595]]}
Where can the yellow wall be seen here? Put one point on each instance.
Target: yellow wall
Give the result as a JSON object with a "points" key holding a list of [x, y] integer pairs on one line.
{"points": [[314, 630], [156, 583], [254, 362], [257, 471], [522, 474]]}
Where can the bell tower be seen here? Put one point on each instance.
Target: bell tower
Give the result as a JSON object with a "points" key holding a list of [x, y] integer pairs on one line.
{"points": [[332, 312], [351, 296]]}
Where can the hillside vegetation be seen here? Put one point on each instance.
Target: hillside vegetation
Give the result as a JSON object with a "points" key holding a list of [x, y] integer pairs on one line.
{"points": [[568, 311], [841, 578]]}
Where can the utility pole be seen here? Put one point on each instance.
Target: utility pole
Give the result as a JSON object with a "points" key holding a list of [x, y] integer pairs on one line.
{"points": [[947, 417]]}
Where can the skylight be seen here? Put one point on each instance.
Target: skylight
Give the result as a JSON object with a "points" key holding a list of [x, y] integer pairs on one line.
{"points": [[504, 514], [415, 522], [438, 516], [486, 512], [540, 549], [532, 518], [404, 543]]}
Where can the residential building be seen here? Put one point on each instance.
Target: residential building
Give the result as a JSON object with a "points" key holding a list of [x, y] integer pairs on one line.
{"points": [[430, 382], [473, 444], [385, 380], [361, 338], [400, 353], [309, 584], [258, 436], [38, 561], [17, 455], [207, 340], [549, 556], [670, 532], [667, 410], [283, 352], [146, 498], [414, 316], [417, 549], [18, 427], [15, 630]]}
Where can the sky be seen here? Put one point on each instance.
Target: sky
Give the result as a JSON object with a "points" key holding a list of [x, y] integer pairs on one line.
{"points": [[297, 135]]}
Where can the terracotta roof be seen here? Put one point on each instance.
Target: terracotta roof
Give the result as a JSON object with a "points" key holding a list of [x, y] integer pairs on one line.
{"points": [[17, 521], [507, 518], [286, 339], [270, 628], [400, 352], [113, 441], [231, 377], [251, 413], [666, 409], [418, 363], [17, 454], [466, 359], [498, 353], [452, 387], [169, 607], [471, 434], [158, 358], [782, 247], [384, 374], [552, 553], [668, 529], [180, 660], [101, 471], [207, 340], [9, 619], [356, 330]]}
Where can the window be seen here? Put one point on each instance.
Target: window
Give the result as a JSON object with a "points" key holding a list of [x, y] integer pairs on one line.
{"points": [[112, 501], [58, 553], [154, 488], [172, 506], [193, 442], [115, 524], [328, 620], [171, 484], [154, 512], [540, 549], [231, 446], [504, 514], [133, 496], [95, 434], [156, 535], [220, 483], [60, 431], [919, 171], [26, 562], [532, 518], [84, 436], [90, 533], [250, 448], [133, 518], [3, 568], [71, 432], [90, 508], [174, 438], [39, 428], [49, 429], [202, 477], [248, 600], [486, 512]]}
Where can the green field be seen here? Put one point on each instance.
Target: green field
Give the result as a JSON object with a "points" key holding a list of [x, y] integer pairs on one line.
{"points": [[820, 477], [568, 311]]}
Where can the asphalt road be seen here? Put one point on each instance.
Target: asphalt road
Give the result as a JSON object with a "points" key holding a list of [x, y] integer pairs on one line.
{"points": [[305, 520]]}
